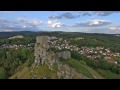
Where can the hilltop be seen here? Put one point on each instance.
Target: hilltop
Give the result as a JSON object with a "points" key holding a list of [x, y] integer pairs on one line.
{"points": [[52, 65]]}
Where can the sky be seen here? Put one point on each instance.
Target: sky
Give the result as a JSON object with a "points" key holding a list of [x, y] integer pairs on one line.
{"points": [[68, 21]]}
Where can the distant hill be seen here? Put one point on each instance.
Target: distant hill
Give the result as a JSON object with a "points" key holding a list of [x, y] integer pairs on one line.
{"points": [[8, 34], [14, 33], [18, 36]]}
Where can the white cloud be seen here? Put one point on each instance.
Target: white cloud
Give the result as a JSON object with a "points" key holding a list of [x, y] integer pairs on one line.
{"points": [[93, 23], [20, 24], [7, 30], [54, 24], [36, 22], [6, 11], [96, 22], [114, 28]]}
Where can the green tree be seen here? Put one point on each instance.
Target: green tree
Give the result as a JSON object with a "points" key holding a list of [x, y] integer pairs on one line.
{"points": [[3, 73]]}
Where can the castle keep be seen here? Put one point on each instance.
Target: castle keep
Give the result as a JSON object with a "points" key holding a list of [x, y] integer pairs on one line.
{"points": [[41, 47]]}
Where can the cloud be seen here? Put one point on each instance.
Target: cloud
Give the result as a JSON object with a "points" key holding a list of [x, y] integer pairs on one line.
{"points": [[99, 30], [93, 23], [114, 28], [6, 12], [54, 24], [67, 15], [103, 30], [85, 13], [35, 22], [70, 15], [19, 24], [97, 13], [104, 13], [8, 30]]}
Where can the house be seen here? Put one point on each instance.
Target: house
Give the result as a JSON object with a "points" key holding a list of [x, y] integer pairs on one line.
{"points": [[107, 57], [95, 51], [89, 56], [112, 61], [94, 57], [104, 53], [100, 51]]}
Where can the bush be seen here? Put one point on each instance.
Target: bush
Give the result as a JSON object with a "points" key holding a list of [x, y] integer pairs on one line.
{"points": [[83, 62]]}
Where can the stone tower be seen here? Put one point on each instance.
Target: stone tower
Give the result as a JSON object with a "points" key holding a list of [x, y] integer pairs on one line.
{"points": [[41, 48]]}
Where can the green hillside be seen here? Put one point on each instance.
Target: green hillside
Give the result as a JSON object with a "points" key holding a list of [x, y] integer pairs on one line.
{"points": [[82, 68], [37, 72], [43, 70]]}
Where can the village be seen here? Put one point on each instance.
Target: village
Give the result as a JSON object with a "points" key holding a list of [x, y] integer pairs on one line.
{"points": [[97, 53], [15, 46]]}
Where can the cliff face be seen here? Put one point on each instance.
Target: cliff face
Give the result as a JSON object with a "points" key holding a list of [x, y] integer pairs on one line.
{"points": [[44, 56]]}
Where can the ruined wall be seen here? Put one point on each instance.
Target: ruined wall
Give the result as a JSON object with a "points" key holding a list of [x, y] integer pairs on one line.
{"points": [[64, 54]]}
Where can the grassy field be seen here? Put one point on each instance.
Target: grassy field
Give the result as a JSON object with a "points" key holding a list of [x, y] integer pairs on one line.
{"points": [[78, 67], [94, 73], [108, 74]]}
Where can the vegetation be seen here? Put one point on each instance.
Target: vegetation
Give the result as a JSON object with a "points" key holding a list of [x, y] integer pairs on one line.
{"points": [[37, 72], [78, 67], [108, 74], [102, 64], [117, 59], [3, 73], [18, 62], [11, 59], [24, 41]]}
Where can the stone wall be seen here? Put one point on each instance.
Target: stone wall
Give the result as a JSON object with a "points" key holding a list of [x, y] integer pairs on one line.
{"points": [[42, 40], [64, 54]]}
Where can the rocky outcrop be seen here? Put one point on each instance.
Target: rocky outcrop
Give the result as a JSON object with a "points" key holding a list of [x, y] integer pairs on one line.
{"points": [[67, 72]]}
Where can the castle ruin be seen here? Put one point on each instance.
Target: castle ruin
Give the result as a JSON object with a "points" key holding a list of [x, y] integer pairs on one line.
{"points": [[42, 52], [44, 55]]}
